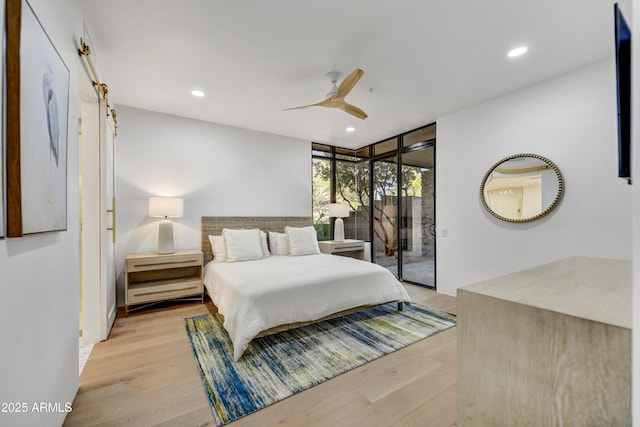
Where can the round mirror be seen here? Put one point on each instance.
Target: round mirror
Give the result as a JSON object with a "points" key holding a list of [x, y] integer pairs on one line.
{"points": [[521, 188]]}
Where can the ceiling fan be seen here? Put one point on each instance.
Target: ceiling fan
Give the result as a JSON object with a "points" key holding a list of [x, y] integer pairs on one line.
{"points": [[335, 97]]}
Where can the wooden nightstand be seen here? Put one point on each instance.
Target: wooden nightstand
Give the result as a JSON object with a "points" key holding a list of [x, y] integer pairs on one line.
{"points": [[150, 277], [349, 247]]}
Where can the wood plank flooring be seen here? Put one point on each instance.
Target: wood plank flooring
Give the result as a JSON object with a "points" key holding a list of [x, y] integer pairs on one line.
{"points": [[145, 374]]}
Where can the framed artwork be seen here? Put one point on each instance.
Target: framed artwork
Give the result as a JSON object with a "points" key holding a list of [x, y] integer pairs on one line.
{"points": [[37, 114], [2, 191]]}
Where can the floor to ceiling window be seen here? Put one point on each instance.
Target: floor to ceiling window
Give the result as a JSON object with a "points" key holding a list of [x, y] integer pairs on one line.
{"points": [[390, 189], [341, 176], [321, 190], [384, 183], [352, 188]]}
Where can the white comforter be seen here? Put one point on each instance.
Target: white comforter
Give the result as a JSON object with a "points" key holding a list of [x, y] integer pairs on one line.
{"points": [[254, 296]]}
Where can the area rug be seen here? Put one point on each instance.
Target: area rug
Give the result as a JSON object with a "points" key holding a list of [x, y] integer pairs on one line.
{"points": [[277, 366]]}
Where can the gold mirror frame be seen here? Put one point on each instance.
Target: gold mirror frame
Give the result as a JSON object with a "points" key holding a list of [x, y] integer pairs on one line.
{"points": [[545, 211]]}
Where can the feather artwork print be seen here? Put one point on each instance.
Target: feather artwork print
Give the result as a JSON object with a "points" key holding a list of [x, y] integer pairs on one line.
{"points": [[51, 108]]}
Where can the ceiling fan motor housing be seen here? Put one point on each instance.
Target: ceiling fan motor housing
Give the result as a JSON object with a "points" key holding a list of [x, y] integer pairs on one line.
{"points": [[333, 77]]}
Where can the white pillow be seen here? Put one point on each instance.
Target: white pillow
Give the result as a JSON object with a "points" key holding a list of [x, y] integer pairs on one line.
{"points": [[218, 248], [242, 245], [279, 243], [302, 241], [263, 244]]}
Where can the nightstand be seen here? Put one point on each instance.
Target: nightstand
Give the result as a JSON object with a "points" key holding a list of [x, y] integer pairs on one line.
{"points": [[349, 247], [151, 277]]}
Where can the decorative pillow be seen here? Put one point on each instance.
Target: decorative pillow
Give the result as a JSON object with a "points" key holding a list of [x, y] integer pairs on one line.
{"points": [[302, 241], [218, 248], [242, 245], [279, 243], [263, 244]]}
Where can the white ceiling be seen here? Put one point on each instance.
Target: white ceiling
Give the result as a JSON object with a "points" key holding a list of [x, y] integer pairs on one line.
{"points": [[422, 59]]}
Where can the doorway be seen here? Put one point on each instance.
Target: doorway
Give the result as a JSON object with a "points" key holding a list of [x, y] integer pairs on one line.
{"points": [[403, 200], [418, 219]]}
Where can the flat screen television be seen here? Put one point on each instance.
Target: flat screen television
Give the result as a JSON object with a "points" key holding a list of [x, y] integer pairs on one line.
{"points": [[623, 86]]}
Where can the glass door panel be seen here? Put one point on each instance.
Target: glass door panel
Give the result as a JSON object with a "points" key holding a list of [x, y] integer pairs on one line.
{"points": [[418, 217], [386, 233]]}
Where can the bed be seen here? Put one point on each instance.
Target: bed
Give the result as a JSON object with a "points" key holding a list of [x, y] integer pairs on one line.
{"points": [[263, 296]]}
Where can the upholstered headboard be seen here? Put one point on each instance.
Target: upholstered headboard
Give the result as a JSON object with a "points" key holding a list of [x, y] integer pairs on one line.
{"points": [[213, 225]]}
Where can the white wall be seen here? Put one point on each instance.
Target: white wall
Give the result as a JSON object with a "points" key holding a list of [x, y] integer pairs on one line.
{"points": [[39, 274], [217, 169], [571, 120]]}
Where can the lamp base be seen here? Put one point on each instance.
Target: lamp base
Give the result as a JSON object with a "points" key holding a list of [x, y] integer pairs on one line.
{"points": [[165, 237], [338, 230]]}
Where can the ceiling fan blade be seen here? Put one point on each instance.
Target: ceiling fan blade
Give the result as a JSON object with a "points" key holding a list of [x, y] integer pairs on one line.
{"points": [[348, 83], [297, 108], [324, 103], [354, 111]]}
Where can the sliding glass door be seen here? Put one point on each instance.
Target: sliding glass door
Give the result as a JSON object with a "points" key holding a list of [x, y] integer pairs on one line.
{"points": [[403, 188], [418, 217]]}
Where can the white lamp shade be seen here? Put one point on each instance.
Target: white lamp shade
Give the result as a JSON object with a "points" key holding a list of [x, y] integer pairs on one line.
{"points": [[166, 207], [338, 210]]}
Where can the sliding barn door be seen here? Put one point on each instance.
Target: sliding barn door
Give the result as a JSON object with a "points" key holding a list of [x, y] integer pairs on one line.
{"points": [[97, 195], [108, 220]]}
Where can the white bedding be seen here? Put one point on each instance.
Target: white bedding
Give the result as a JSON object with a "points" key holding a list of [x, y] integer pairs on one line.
{"points": [[254, 296]]}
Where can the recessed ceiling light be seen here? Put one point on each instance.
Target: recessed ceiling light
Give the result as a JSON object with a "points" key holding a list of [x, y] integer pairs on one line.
{"points": [[197, 93], [513, 53], [350, 129]]}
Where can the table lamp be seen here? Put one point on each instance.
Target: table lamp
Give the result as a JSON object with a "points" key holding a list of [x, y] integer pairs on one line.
{"points": [[339, 211], [165, 207]]}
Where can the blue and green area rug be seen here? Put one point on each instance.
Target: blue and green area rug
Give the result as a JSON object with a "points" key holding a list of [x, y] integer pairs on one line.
{"points": [[277, 366]]}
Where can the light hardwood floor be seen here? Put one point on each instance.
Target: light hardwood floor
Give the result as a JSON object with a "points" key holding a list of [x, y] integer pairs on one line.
{"points": [[145, 374]]}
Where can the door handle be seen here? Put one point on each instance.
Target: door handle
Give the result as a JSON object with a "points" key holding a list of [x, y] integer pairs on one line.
{"points": [[113, 219]]}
